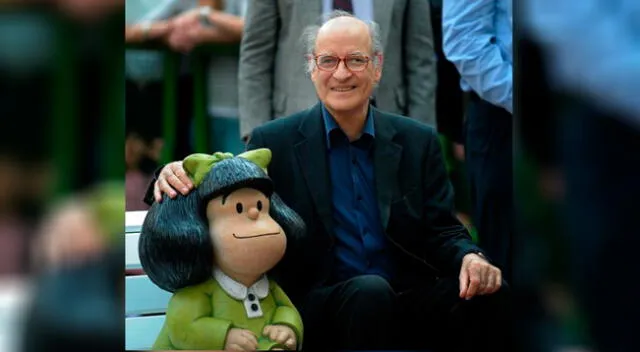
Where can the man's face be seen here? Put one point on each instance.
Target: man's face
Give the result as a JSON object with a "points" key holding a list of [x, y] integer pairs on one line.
{"points": [[344, 90]]}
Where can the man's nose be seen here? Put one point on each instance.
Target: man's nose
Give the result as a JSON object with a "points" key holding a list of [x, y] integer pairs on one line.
{"points": [[253, 213], [342, 71]]}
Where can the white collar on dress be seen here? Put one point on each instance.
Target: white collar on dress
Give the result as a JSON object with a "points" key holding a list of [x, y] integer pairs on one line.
{"points": [[239, 291]]}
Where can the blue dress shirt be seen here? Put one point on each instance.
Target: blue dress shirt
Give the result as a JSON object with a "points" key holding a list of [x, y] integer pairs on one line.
{"points": [[362, 9], [477, 39], [360, 243]]}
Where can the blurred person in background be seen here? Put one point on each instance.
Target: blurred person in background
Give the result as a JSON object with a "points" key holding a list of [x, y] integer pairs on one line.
{"points": [[25, 154], [593, 55], [216, 22], [273, 83], [182, 26], [78, 298], [149, 21], [477, 38], [79, 306]]}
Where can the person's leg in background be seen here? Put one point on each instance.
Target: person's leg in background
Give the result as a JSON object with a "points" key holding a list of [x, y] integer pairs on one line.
{"points": [[488, 155], [184, 137], [143, 139], [450, 104]]}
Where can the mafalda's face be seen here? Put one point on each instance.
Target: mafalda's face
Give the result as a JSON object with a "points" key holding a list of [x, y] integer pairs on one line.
{"points": [[246, 240]]}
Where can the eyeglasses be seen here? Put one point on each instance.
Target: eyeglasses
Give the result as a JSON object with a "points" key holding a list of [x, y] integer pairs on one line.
{"points": [[354, 63]]}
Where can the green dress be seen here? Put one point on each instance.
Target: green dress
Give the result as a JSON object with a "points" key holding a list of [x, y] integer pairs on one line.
{"points": [[199, 317]]}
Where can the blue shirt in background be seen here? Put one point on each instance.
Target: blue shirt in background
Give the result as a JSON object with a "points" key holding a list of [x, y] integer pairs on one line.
{"points": [[360, 244], [477, 38]]}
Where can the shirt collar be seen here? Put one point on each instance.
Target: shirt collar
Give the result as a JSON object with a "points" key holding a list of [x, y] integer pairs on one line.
{"points": [[330, 124], [239, 291]]}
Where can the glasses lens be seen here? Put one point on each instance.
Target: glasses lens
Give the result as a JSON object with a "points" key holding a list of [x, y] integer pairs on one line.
{"points": [[327, 62], [356, 62]]}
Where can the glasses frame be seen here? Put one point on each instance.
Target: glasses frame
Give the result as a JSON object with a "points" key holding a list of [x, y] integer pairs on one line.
{"points": [[342, 59]]}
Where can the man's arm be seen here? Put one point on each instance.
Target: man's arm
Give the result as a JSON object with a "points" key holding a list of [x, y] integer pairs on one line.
{"points": [[448, 240], [420, 61], [257, 55], [139, 33], [469, 42]]}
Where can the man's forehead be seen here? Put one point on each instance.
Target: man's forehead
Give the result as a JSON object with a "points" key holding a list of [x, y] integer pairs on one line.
{"points": [[343, 42]]}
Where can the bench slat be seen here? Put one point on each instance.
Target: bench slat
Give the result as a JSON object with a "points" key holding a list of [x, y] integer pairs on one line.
{"points": [[133, 220], [144, 297], [131, 254], [141, 332]]}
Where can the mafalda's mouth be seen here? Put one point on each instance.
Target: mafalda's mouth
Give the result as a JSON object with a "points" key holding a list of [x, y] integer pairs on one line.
{"points": [[254, 236], [343, 89]]}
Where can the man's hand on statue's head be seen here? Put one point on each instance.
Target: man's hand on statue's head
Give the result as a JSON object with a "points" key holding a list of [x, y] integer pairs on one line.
{"points": [[172, 178]]}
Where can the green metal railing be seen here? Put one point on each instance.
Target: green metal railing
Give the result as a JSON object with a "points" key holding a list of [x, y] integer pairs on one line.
{"points": [[199, 63]]}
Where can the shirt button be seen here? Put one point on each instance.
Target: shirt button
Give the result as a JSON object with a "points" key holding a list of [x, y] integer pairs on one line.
{"points": [[254, 307], [353, 161], [359, 197], [251, 297]]}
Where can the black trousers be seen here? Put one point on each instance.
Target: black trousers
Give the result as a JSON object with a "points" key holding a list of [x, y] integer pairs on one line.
{"points": [[488, 154], [365, 313]]}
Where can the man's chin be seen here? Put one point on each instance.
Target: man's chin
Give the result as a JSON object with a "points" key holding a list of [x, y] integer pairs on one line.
{"points": [[344, 105]]}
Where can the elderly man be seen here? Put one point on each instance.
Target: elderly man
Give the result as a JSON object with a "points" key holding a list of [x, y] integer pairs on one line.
{"points": [[385, 263], [272, 83]]}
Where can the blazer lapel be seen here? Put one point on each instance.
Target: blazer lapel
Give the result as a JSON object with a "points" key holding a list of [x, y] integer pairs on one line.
{"points": [[386, 159], [314, 164], [382, 11]]}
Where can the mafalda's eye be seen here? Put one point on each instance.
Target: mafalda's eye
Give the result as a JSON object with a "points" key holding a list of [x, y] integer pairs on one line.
{"points": [[259, 205], [239, 208]]}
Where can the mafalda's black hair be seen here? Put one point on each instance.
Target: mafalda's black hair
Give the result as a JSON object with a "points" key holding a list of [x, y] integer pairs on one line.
{"points": [[175, 248]]}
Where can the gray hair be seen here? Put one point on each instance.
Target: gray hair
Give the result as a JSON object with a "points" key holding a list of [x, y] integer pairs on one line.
{"points": [[310, 35]]}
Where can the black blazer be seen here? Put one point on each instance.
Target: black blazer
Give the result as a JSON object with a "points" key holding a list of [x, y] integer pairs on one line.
{"points": [[414, 194]]}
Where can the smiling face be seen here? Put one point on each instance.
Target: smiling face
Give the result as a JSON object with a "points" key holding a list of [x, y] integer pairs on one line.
{"points": [[344, 90], [247, 241]]}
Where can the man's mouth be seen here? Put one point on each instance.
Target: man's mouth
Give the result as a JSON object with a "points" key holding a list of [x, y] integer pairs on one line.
{"points": [[254, 236], [343, 89]]}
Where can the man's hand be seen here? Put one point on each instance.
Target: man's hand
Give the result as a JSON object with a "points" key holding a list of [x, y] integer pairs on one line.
{"points": [[478, 277], [281, 334], [172, 178], [184, 31], [240, 340]]}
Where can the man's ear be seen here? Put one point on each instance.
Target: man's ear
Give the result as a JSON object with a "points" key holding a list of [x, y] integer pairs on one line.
{"points": [[379, 58]]}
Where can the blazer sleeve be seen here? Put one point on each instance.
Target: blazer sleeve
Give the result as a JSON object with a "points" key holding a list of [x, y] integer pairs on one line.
{"points": [[257, 57], [448, 240], [420, 62]]}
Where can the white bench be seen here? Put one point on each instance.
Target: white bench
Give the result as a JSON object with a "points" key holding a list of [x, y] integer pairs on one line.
{"points": [[145, 302]]}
